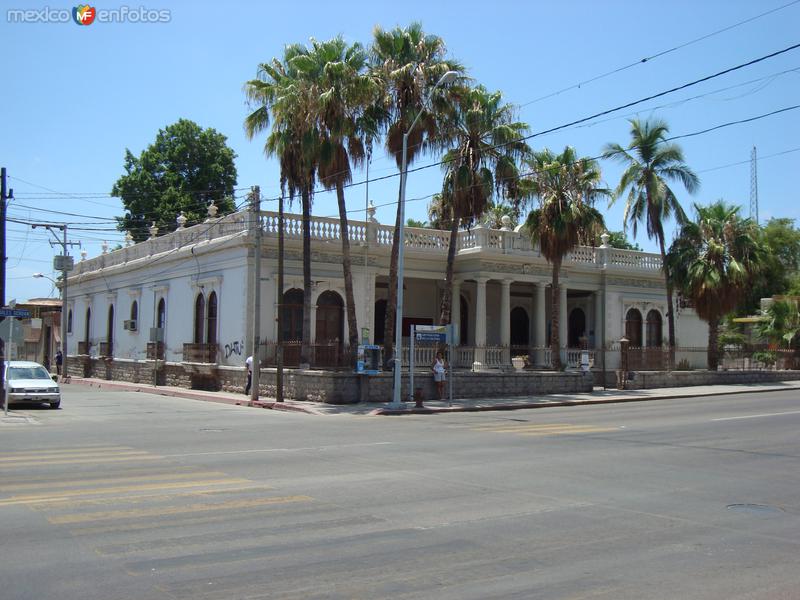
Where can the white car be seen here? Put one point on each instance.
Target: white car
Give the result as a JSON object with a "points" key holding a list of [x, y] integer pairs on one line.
{"points": [[30, 382]]}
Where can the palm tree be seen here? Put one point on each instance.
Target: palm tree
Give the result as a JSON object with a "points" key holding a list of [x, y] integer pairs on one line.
{"points": [[409, 63], [564, 186], [651, 163], [487, 145], [282, 99], [343, 93], [713, 262]]}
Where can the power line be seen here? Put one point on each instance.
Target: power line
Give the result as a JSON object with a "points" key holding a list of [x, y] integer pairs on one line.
{"points": [[654, 56], [743, 162]]}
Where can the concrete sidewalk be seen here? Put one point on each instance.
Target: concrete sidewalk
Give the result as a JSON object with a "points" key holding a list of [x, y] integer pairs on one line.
{"points": [[598, 396]]}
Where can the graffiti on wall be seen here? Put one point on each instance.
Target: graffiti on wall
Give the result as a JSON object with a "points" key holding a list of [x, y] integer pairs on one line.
{"points": [[236, 348]]}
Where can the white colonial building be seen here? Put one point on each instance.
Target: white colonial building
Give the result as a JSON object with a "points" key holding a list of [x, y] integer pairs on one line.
{"points": [[193, 289]]}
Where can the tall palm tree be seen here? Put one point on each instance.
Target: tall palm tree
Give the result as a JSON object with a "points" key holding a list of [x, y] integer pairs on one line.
{"points": [[651, 162], [713, 262], [343, 92], [409, 63], [281, 101], [486, 149], [564, 186]]}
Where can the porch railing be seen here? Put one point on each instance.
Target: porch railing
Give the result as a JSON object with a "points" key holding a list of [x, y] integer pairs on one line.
{"points": [[200, 353]]}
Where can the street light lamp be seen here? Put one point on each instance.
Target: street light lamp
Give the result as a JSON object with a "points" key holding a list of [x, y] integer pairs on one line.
{"points": [[398, 323], [63, 319]]}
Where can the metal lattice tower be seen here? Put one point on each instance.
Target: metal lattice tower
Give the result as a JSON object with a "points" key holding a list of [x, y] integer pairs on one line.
{"points": [[754, 185]]}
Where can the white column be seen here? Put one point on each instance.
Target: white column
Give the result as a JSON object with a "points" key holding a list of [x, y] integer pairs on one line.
{"points": [[540, 320], [598, 319], [505, 319], [480, 324], [562, 322], [455, 312]]}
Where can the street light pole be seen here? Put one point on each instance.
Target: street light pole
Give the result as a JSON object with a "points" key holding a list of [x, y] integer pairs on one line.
{"points": [[398, 320]]}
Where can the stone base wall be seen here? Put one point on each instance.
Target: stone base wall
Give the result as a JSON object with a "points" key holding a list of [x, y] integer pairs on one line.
{"points": [[344, 388], [642, 380], [131, 371]]}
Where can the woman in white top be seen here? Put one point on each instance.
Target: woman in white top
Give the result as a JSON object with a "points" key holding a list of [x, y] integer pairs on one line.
{"points": [[438, 367]]}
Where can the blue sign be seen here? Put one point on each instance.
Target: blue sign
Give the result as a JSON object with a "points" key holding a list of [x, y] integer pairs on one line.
{"points": [[19, 313], [430, 336]]}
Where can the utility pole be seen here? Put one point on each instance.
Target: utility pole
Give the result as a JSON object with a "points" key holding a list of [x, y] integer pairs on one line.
{"points": [[63, 263], [255, 200], [279, 353], [5, 194]]}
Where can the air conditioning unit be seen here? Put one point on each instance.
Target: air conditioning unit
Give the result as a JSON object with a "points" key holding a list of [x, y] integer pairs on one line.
{"points": [[129, 325]]}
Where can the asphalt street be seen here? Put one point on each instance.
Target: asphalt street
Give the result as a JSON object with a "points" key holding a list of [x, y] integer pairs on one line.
{"points": [[124, 495]]}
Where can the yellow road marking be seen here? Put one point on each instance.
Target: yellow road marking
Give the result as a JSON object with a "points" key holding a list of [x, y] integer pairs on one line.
{"points": [[172, 510], [66, 455], [586, 430], [74, 483], [78, 461], [541, 429], [59, 503], [68, 494], [88, 448]]}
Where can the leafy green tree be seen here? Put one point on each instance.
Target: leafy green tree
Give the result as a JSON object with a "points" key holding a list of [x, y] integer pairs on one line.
{"points": [[618, 239], [183, 171], [712, 262], [416, 223], [562, 183], [651, 162], [408, 63], [281, 100], [780, 322], [780, 272], [486, 148]]}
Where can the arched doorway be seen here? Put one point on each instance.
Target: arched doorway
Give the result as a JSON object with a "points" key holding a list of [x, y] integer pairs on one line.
{"points": [[654, 334], [380, 321], [292, 326], [633, 328], [520, 328], [576, 327], [161, 317], [330, 329], [87, 330]]}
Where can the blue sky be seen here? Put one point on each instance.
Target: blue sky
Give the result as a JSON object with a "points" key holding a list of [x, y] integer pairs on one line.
{"points": [[74, 98]]}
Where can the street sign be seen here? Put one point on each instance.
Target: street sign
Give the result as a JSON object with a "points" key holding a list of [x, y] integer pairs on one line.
{"points": [[18, 313], [432, 333]]}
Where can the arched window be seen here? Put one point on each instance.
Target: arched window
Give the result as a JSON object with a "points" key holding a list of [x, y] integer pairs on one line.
{"points": [[292, 315], [110, 326], [654, 336], [161, 315], [211, 325], [330, 318], [134, 311], [69, 321], [576, 327], [88, 328], [199, 318], [633, 328]]}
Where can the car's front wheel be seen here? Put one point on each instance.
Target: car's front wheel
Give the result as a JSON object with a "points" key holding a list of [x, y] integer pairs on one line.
{"points": [[55, 405]]}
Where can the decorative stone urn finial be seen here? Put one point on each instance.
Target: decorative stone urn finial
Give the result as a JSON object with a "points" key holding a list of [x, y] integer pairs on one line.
{"points": [[84, 254], [153, 230], [181, 220], [104, 247], [212, 210], [506, 221], [604, 238], [128, 239], [371, 212]]}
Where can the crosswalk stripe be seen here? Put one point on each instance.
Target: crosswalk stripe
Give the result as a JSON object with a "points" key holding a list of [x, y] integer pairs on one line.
{"points": [[88, 448], [540, 429], [78, 461], [71, 494], [49, 484], [75, 518], [68, 455]]}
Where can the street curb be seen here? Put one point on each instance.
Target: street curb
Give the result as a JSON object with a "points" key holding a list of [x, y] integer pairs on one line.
{"points": [[560, 403]]}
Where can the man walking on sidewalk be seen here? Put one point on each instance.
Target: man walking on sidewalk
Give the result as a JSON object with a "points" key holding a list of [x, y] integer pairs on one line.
{"points": [[248, 364]]}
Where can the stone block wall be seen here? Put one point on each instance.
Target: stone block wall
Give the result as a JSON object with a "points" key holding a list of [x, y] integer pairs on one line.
{"points": [[642, 380]]}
